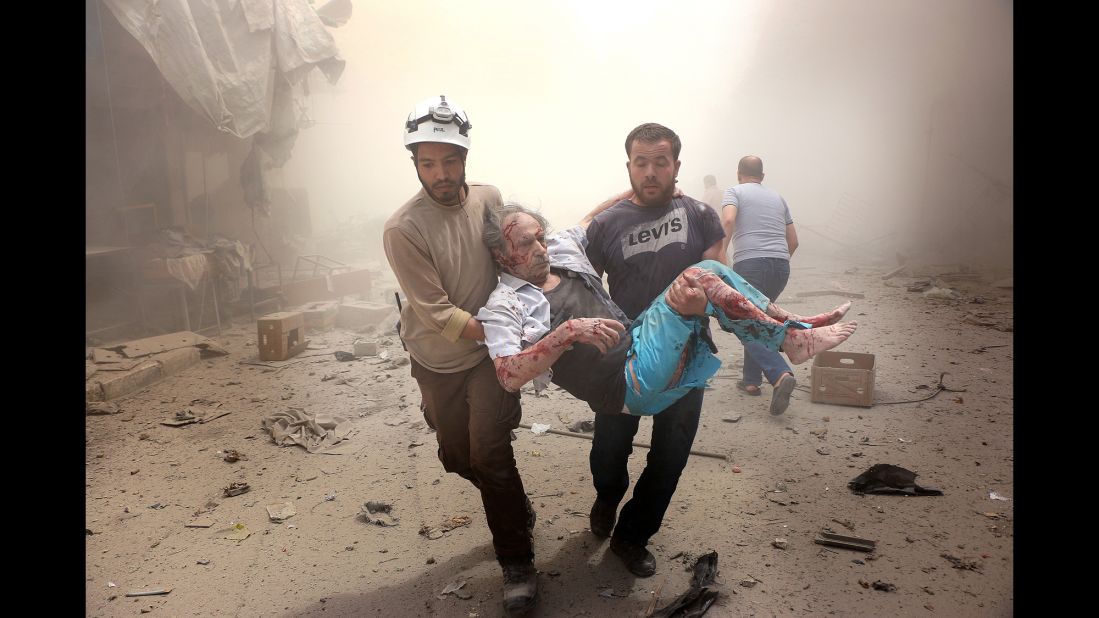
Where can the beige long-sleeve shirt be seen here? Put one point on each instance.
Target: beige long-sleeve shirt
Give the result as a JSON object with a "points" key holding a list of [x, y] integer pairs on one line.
{"points": [[446, 272]]}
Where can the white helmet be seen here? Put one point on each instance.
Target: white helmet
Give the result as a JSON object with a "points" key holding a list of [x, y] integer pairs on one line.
{"points": [[437, 120]]}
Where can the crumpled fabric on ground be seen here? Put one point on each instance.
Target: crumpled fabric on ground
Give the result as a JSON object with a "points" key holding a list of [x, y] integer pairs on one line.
{"points": [[320, 433], [189, 269], [890, 479], [698, 598]]}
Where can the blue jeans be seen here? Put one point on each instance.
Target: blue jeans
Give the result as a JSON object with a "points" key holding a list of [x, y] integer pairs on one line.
{"points": [[768, 275], [673, 433]]}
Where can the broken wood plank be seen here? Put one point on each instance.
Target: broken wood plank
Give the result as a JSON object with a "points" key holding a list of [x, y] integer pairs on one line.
{"points": [[109, 360], [639, 444], [165, 343], [149, 593]]}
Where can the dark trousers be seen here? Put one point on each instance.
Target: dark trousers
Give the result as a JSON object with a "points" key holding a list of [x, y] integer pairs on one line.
{"points": [[673, 433], [473, 416], [768, 275]]}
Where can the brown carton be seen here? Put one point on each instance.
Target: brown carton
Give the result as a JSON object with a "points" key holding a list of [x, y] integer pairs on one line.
{"points": [[281, 335], [844, 378]]}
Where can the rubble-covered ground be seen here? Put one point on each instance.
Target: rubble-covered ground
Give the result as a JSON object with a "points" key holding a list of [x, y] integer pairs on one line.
{"points": [[785, 477]]}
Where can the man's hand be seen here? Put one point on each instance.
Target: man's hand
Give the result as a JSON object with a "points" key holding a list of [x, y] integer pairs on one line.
{"points": [[599, 332], [687, 296]]}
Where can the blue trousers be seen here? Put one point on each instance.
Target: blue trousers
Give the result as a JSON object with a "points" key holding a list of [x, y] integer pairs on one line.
{"points": [[768, 275]]}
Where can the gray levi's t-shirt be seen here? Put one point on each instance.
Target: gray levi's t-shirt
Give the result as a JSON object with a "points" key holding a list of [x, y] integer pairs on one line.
{"points": [[761, 219], [643, 249]]}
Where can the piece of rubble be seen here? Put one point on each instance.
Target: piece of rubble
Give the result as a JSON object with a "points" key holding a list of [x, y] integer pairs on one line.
{"points": [[281, 511]]}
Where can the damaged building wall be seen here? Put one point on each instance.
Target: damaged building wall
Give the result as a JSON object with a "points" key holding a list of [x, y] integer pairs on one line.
{"points": [[168, 149], [213, 199], [125, 151], [145, 145]]}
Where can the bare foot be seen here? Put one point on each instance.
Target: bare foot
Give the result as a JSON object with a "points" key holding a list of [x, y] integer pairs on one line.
{"points": [[801, 345]]}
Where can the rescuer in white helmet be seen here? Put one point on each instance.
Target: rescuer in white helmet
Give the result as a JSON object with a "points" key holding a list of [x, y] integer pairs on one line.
{"points": [[433, 244]]}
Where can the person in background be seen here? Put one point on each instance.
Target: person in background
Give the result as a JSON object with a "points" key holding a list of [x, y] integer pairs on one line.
{"points": [[760, 240], [711, 194]]}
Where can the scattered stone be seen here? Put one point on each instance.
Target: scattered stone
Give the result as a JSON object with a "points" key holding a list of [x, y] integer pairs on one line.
{"points": [[236, 489]]}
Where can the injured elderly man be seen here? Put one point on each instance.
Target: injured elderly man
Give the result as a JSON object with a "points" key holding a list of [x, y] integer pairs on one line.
{"points": [[550, 319]]}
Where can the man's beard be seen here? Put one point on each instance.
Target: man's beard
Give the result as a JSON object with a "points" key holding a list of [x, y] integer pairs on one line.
{"points": [[661, 200], [539, 275], [451, 197]]}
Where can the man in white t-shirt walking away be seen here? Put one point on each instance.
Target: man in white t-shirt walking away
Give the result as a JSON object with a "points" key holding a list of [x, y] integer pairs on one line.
{"points": [[758, 225]]}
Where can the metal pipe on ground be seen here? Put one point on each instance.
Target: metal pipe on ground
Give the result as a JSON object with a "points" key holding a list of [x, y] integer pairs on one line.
{"points": [[641, 444]]}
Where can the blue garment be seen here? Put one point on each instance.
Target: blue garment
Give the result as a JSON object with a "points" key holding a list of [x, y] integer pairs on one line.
{"points": [[769, 276], [566, 250], [660, 335]]}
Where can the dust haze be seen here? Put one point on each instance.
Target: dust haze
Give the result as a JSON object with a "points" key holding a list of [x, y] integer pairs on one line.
{"points": [[873, 119]]}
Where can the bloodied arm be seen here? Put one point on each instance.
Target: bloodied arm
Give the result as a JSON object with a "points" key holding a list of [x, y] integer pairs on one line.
{"points": [[517, 369]]}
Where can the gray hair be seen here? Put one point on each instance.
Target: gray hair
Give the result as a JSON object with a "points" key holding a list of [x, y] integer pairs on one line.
{"points": [[493, 234]]}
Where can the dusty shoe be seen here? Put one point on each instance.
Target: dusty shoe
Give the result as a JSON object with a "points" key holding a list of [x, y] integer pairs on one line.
{"points": [[639, 560], [520, 587], [602, 518]]}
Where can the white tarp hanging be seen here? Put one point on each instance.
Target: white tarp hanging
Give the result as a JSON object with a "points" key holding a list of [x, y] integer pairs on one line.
{"points": [[223, 56]]}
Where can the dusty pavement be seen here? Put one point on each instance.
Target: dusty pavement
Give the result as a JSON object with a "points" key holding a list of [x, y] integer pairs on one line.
{"points": [[949, 555]]}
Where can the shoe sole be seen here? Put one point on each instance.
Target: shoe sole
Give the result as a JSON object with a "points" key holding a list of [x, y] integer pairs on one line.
{"points": [[519, 611], [780, 400]]}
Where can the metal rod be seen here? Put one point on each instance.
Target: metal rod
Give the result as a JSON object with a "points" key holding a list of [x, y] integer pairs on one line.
{"points": [[640, 444]]}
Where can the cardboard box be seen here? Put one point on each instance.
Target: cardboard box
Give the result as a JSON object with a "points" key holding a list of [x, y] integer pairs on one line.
{"points": [[843, 378], [320, 315], [365, 347], [281, 335]]}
